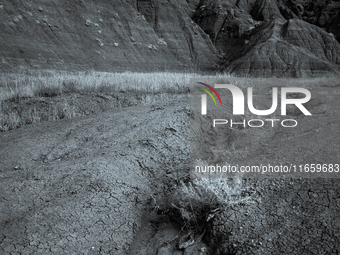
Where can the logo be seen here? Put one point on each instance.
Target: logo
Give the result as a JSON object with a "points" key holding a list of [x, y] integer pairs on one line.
{"points": [[238, 103], [204, 97]]}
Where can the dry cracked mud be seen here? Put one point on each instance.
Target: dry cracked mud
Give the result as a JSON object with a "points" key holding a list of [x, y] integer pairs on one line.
{"points": [[80, 186], [84, 185]]}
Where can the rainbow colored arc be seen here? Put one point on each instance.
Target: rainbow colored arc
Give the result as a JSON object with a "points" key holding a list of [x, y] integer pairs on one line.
{"points": [[213, 90]]}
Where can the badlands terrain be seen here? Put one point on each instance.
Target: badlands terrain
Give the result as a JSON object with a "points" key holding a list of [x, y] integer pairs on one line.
{"points": [[245, 37], [98, 131]]}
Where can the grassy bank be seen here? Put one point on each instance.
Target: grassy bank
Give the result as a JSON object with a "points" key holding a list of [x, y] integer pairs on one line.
{"points": [[53, 83], [32, 96]]}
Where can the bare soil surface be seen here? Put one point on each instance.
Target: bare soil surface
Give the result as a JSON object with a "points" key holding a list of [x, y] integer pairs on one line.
{"points": [[80, 186], [293, 217], [92, 184]]}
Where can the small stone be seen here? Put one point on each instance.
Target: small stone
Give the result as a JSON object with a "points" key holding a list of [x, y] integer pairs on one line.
{"points": [[161, 41], [60, 243], [88, 22], [54, 249]]}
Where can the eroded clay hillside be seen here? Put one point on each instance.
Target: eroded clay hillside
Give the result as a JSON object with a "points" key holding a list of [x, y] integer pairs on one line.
{"points": [[273, 38], [244, 37], [102, 35]]}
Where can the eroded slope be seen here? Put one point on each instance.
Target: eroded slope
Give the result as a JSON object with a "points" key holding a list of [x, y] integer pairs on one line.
{"points": [[272, 38], [102, 35]]}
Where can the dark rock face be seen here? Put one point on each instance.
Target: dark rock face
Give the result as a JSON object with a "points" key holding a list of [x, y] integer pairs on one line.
{"points": [[285, 48], [102, 35], [323, 13], [273, 38]]}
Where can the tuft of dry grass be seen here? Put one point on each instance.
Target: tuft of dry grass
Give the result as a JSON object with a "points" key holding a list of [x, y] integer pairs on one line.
{"points": [[197, 201], [12, 119]]}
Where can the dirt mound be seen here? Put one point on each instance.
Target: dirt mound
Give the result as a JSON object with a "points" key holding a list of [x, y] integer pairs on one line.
{"points": [[102, 35], [294, 217]]}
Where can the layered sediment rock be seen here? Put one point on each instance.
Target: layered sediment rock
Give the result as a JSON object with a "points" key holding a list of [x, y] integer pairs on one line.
{"points": [[245, 37], [102, 35]]}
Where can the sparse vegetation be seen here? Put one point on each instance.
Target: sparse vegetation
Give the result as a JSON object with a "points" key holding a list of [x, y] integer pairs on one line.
{"points": [[33, 96], [30, 97], [53, 83]]}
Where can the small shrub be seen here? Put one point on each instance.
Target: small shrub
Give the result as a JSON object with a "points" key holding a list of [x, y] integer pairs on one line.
{"points": [[48, 91], [69, 86], [9, 121]]}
